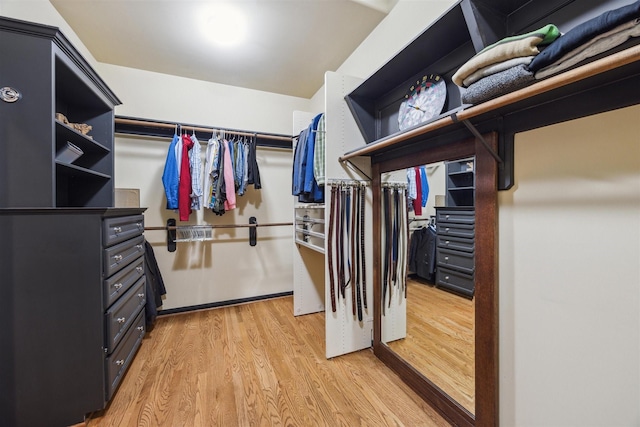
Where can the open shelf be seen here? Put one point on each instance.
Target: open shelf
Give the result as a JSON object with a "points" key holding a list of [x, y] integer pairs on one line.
{"points": [[602, 83]]}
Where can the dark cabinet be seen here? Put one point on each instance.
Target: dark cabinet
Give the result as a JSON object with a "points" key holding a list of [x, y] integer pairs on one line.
{"points": [[59, 333], [73, 283], [455, 249], [52, 78], [460, 182], [455, 226]]}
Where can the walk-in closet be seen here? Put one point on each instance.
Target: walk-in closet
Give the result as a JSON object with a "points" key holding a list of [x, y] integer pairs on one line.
{"points": [[287, 213]]}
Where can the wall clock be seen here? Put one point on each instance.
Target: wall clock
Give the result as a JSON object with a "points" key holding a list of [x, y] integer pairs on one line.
{"points": [[424, 101]]}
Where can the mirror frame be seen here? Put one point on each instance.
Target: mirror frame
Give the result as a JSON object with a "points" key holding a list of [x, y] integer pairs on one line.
{"points": [[486, 283]]}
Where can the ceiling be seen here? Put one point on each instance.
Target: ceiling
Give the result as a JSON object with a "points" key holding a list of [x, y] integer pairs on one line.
{"points": [[288, 47]]}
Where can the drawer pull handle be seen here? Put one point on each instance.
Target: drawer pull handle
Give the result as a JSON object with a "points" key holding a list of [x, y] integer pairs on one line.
{"points": [[447, 216], [121, 319], [118, 285], [446, 258], [118, 258], [117, 229], [447, 229], [139, 269], [446, 277], [120, 362], [141, 295], [447, 242], [139, 224], [139, 246], [140, 328]]}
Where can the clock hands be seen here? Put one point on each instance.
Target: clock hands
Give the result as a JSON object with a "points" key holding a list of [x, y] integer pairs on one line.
{"points": [[416, 108]]}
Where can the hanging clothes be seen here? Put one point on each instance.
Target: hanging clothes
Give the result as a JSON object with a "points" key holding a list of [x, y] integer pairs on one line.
{"points": [[211, 171], [184, 184], [425, 185], [154, 285], [417, 202], [305, 185], [229, 187], [422, 253], [229, 168], [299, 157], [253, 171], [196, 174], [170, 175], [319, 153], [219, 185]]}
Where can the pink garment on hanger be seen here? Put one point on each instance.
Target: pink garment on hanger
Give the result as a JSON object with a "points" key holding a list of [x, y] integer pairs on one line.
{"points": [[184, 186], [230, 189]]}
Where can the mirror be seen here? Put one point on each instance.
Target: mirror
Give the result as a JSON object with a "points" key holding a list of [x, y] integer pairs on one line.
{"points": [[459, 378], [428, 314]]}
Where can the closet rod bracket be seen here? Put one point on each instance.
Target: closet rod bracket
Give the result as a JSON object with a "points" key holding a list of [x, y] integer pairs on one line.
{"points": [[478, 135], [353, 165]]}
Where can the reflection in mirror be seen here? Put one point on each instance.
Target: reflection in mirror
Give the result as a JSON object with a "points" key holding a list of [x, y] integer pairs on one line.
{"points": [[427, 279]]}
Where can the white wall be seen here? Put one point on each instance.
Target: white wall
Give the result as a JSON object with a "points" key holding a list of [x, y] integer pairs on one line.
{"points": [[43, 12], [570, 275], [227, 268]]}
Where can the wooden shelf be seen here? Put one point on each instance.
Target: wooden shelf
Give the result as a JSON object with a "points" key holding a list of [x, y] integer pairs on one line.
{"points": [[602, 85]]}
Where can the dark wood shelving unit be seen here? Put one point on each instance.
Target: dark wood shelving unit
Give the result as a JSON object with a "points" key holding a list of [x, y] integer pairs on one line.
{"points": [[603, 83]]}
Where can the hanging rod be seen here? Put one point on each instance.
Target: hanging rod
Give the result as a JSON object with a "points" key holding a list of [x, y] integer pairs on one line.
{"points": [[171, 228], [148, 127], [176, 227]]}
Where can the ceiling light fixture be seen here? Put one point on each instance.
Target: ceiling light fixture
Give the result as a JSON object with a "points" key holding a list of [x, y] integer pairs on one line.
{"points": [[226, 25]]}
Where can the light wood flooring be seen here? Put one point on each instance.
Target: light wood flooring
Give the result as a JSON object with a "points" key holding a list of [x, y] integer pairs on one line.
{"points": [[440, 340], [256, 365]]}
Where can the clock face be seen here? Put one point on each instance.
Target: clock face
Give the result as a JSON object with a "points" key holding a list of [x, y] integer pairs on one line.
{"points": [[424, 101]]}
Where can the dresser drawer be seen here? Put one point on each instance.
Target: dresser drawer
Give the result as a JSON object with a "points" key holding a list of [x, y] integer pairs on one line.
{"points": [[116, 230], [456, 260], [116, 365], [457, 216], [120, 282], [122, 313], [455, 281], [466, 231], [455, 243], [122, 254]]}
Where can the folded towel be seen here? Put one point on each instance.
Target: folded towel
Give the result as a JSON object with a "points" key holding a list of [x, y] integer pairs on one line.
{"points": [[583, 33], [593, 47], [507, 48], [498, 84]]}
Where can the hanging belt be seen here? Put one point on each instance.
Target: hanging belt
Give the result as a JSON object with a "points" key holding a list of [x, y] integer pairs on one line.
{"points": [[394, 239], [361, 196], [405, 245], [332, 218], [340, 248], [387, 252], [355, 250]]}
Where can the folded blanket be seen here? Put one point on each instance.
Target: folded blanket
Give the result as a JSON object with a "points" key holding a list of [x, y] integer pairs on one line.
{"points": [[496, 68], [599, 44], [583, 33], [498, 84], [507, 48]]}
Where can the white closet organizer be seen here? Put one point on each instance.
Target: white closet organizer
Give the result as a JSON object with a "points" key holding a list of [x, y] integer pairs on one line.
{"points": [[344, 333], [309, 226]]}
